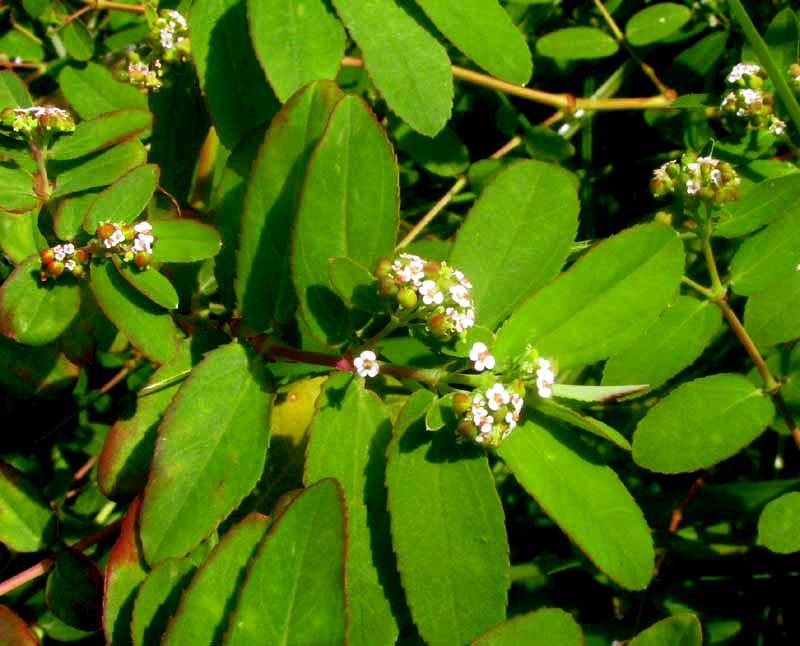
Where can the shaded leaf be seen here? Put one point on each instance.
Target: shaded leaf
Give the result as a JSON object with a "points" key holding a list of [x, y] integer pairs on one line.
{"points": [[43, 370], [779, 524], [577, 418], [184, 240], [13, 93], [13, 630], [157, 599], [26, 520], [124, 200], [547, 627], [18, 238], [354, 284], [770, 199], [16, 190], [75, 590], [444, 155], [69, 216], [680, 630], [101, 132], [101, 169], [576, 43], [769, 315]]}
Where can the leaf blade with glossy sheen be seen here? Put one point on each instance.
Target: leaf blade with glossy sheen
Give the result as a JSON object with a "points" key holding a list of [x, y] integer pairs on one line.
{"points": [[517, 236], [484, 32], [101, 132], [26, 520], [547, 627], [779, 524], [701, 423], [680, 630], [294, 592], [124, 200], [602, 303], [395, 48], [770, 316], [585, 498], [263, 284], [189, 493], [92, 90], [184, 240], [769, 200], [150, 283], [447, 529], [576, 43], [355, 162], [347, 441], [101, 169], [655, 23]]}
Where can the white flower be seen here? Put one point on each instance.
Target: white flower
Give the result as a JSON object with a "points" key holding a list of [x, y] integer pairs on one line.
{"points": [[459, 276], [143, 227], [58, 252], [70, 264], [430, 295], [692, 186], [777, 127], [69, 249], [497, 396], [751, 96], [479, 354], [461, 295], [486, 427], [741, 70], [366, 365], [545, 377]]}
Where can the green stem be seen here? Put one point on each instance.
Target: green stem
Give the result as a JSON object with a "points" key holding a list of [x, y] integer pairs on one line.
{"points": [[716, 284], [762, 51], [705, 291], [40, 155]]}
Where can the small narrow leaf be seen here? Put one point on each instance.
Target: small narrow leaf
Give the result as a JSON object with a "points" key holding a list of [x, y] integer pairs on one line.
{"points": [[779, 524], [157, 600], [701, 423], [770, 317], [148, 327], [16, 190], [585, 498], [548, 627], [517, 236], [447, 529], [75, 590], [92, 90], [585, 422], [395, 48], [13, 630], [124, 200], [769, 200], [184, 240], [150, 283], [294, 592], [655, 23], [680, 630], [596, 393], [296, 42], [576, 43], [101, 169], [189, 494], [26, 520], [101, 132]]}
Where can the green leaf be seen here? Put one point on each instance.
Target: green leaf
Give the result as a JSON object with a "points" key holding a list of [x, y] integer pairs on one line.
{"points": [[701, 423], [263, 285], [150, 283], [680, 630], [33, 312], [347, 441], [15, 43], [447, 529], [234, 85], [396, 47], [295, 587], [542, 143], [77, 40], [157, 599], [354, 284], [13, 630], [91, 90], [671, 344], [484, 32], [203, 614], [26, 520], [781, 39], [148, 327], [16, 190], [655, 23], [349, 207], [18, 238], [296, 42], [101, 169], [70, 213], [769, 200], [222, 412], [444, 155], [576, 43], [779, 524], [41, 371], [547, 627], [13, 93], [75, 590], [124, 200], [517, 236], [602, 303], [184, 240], [595, 393], [102, 132], [125, 570], [585, 422], [585, 498], [770, 316]]}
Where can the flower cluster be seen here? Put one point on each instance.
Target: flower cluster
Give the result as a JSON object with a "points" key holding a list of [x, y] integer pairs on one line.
{"points": [[491, 415], [63, 257], [37, 120], [132, 243], [696, 177], [167, 43], [750, 101], [433, 291]]}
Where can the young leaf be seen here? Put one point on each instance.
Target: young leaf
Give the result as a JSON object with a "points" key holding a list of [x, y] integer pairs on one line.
{"points": [[347, 441], [157, 599], [671, 344], [354, 161], [101, 169], [124, 200], [701, 423], [204, 611], [234, 85], [576, 418], [189, 494], [92, 90], [602, 303], [150, 283], [315, 38], [101, 132], [13, 93], [26, 520], [395, 48], [13, 630], [484, 32], [447, 529], [547, 627], [576, 43], [16, 190], [263, 285], [75, 590], [655, 23], [517, 236], [294, 592], [779, 524], [680, 630], [124, 572], [585, 498], [770, 317], [768, 201], [148, 327], [184, 240], [33, 312]]}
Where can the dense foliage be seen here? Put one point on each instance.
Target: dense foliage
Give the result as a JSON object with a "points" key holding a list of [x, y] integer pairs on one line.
{"points": [[390, 322]]}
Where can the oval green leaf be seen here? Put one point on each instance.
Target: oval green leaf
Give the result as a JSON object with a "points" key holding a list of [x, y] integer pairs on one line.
{"points": [[770, 316], [75, 590], [577, 43], [124, 200], [585, 498], [779, 524], [77, 40], [157, 600], [769, 200], [444, 155], [448, 529], [13, 92], [18, 234], [517, 236], [701, 423], [71, 211], [294, 592], [184, 240], [189, 493], [26, 520], [101, 132], [354, 284], [656, 22], [548, 627], [92, 90], [101, 169], [150, 283], [349, 207], [602, 303], [16, 190], [680, 630]]}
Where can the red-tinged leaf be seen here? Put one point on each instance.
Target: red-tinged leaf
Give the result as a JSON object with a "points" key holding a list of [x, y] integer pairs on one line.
{"points": [[43, 371], [101, 169], [157, 599], [124, 200], [125, 570], [221, 413], [68, 218], [150, 283], [184, 241], [75, 590], [101, 132], [547, 627], [13, 629]]}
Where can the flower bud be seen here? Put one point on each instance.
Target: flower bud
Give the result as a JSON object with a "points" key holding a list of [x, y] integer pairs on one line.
{"points": [[105, 230], [78, 271], [461, 403], [387, 286], [432, 269], [467, 429], [55, 268], [407, 298], [46, 256], [81, 255], [142, 260], [440, 326], [383, 268]]}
